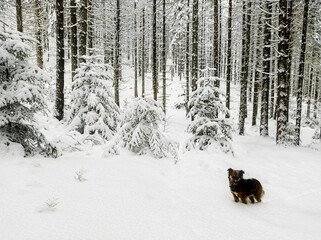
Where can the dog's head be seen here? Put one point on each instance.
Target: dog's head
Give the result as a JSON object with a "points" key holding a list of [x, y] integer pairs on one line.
{"points": [[235, 176]]}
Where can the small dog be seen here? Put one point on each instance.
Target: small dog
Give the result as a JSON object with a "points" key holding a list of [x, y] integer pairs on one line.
{"points": [[244, 188]]}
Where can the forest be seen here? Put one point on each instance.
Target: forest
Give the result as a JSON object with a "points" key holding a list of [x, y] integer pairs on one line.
{"points": [[118, 110]]}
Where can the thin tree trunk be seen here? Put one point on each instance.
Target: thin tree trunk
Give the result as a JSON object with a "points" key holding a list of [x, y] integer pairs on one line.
{"points": [[301, 72], [38, 34], [187, 56], [257, 73], [60, 60], [264, 124], [164, 56], [143, 54], [83, 31], [74, 39], [90, 25], [195, 45], [154, 52], [135, 51], [244, 74], [117, 58], [19, 15], [229, 57], [290, 49], [310, 93]]}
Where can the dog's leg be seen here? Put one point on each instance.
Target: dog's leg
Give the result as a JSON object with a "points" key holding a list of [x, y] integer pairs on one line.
{"points": [[236, 199], [252, 199], [243, 199], [259, 194]]}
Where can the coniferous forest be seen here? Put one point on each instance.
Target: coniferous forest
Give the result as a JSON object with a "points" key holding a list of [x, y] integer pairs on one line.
{"points": [[125, 115]]}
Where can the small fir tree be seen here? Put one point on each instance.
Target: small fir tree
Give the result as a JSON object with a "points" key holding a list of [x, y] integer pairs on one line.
{"points": [[21, 94], [93, 109], [209, 126], [140, 129]]}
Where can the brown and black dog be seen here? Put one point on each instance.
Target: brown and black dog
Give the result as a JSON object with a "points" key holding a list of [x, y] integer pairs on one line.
{"points": [[244, 188]]}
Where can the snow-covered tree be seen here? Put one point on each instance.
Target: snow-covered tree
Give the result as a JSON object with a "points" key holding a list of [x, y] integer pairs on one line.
{"points": [[21, 94], [208, 127], [93, 108], [140, 129]]}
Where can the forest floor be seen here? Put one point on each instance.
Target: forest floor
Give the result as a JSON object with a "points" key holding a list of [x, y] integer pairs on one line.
{"points": [[82, 195]]}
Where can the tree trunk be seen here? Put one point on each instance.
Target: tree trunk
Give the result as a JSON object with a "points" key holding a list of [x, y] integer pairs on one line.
{"points": [[281, 108], [164, 56], [90, 22], [19, 15], [73, 36], [38, 34], [195, 45], [244, 74], [135, 51], [60, 64], [301, 72], [83, 31], [143, 54], [310, 93], [117, 58], [154, 52], [264, 124], [229, 57], [290, 49], [187, 56]]}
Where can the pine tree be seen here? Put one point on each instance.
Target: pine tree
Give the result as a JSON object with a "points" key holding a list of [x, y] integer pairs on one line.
{"points": [[209, 126], [93, 109], [22, 94], [140, 129]]}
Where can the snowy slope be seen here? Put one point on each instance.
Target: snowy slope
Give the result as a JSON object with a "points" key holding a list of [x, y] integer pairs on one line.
{"points": [[139, 197]]}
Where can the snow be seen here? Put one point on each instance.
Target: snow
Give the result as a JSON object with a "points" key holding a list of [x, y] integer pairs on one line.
{"points": [[128, 196]]}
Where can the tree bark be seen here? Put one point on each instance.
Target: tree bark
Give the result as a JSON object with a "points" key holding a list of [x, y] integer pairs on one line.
{"points": [[38, 33], [301, 72], [83, 31], [135, 51], [74, 39], [19, 16], [117, 58], [264, 124], [195, 45], [187, 62], [154, 52], [60, 62], [229, 57], [164, 56], [281, 108]]}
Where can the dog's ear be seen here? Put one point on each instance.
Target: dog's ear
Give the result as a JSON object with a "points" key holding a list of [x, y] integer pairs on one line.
{"points": [[242, 172], [230, 170]]}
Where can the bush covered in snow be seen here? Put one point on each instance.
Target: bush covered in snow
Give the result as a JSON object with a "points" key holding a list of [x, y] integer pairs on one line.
{"points": [[208, 111], [21, 94], [93, 108], [140, 129]]}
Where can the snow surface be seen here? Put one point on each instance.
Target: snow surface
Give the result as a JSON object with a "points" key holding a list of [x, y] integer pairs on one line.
{"points": [[82, 195]]}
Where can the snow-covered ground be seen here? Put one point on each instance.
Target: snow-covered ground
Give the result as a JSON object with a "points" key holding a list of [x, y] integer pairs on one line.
{"points": [[82, 195]]}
